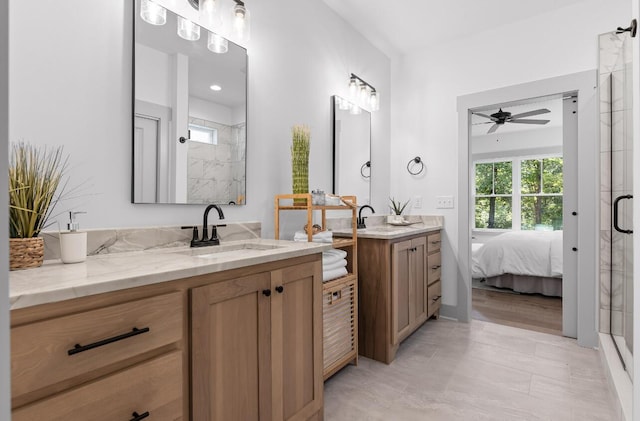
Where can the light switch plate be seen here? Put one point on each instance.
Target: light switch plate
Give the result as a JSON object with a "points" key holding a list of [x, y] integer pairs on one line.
{"points": [[444, 202], [417, 202]]}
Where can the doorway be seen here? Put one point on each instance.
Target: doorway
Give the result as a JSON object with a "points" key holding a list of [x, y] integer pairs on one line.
{"points": [[579, 252]]}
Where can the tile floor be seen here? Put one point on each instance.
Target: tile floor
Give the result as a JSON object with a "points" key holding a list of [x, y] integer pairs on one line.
{"points": [[478, 371]]}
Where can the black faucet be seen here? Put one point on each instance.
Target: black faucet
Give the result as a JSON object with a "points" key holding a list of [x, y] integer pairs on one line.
{"points": [[361, 218], [214, 240]]}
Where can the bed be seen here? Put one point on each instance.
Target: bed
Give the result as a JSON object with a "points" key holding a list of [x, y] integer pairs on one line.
{"points": [[524, 261]]}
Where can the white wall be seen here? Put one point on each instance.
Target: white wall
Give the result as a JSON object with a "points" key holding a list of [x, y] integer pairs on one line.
{"points": [[207, 110], [5, 368], [427, 83], [71, 85], [521, 143]]}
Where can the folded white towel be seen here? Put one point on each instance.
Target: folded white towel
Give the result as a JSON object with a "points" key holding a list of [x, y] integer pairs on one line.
{"points": [[330, 266], [333, 274], [328, 257], [321, 237]]}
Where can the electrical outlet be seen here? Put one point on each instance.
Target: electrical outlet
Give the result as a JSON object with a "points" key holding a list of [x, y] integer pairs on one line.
{"points": [[417, 202], [444, 202]]}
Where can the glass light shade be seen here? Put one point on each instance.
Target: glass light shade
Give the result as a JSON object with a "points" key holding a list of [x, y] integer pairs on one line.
{"points": [[353, 87], [151, 12], [355, 110], [188, 30], [364, 94], [217, 43], [210, 13], [240, 22], [343, 104], [374, 101]]}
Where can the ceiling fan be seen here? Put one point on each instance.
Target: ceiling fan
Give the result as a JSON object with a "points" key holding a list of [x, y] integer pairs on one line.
{"points": [[501, 117]]}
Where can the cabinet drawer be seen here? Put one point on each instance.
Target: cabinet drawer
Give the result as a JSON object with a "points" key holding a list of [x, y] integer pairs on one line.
{"points": [[433, 242], [434, 267], [434, 296], [44, 353], [154, 386]]}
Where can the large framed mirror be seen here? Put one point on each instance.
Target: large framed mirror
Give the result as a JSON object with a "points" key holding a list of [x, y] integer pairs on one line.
{"points": [[189, 115], [351, 150]]}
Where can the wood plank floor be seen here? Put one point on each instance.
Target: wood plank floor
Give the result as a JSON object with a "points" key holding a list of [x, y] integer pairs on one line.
{"points": [[526, 311]]}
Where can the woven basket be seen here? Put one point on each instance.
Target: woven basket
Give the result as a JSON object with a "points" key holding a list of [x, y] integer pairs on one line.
{"points": [[25, 253]]}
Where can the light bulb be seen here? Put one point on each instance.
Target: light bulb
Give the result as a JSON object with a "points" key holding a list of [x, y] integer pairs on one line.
{"points": [[355, 110], [353, 87], [241, 21], [374, 101], [217, 43], [188, 30], [153, 13], [209, 14], [343, 104], [364, 96]]}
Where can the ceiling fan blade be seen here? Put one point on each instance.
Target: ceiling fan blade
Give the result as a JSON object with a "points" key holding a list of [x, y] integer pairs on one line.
{"points": [[486, 116], [525, 121], [493, 128], [530, 113], [483, 122]]}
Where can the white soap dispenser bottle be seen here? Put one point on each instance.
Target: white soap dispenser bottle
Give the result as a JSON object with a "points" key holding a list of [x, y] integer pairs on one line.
{"points": [[73, 243]]}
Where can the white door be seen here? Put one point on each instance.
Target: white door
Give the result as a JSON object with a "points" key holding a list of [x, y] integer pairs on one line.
{"points": [[145, 154]]}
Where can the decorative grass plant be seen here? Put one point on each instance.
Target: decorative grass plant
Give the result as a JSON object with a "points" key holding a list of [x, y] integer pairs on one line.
{"points": [[301, 140], [35, 175], [397, 207]]}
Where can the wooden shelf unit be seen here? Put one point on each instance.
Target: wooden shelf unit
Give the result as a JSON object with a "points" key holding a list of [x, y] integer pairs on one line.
{"points": [[339, 296]]}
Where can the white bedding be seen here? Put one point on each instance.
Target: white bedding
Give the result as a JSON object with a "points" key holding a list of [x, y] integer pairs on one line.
{"points": [[533, 253]]}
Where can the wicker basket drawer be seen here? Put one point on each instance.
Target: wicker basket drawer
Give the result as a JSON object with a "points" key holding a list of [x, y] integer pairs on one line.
{"points": [[433, 242], [153, 387], [339, 321], [64, 348]]}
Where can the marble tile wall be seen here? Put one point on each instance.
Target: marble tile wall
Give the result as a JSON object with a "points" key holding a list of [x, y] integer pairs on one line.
{"points": [[616, 252], [216, 173], [105, 241]]}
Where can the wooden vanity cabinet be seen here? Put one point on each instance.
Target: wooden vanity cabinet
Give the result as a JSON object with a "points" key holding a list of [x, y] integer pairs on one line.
{"points": [[247, 346], [399, 288], [257, 346]]}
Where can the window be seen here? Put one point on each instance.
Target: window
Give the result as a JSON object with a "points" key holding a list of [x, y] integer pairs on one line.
{"points": [[203, 134], [522, 193]]}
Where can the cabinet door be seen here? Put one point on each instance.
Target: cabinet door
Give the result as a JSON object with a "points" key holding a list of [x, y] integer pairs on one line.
{"points": [[231, 357], [402, 307], [418, 270], [296, 341]]}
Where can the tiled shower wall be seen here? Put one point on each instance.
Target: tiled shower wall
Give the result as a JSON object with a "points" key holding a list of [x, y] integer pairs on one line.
{"points": [[615, 153], [216, 173]]}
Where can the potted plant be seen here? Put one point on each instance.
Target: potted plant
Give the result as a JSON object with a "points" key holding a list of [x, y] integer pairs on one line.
{"points": [[397, 208], [35, 175], [300, 147]]}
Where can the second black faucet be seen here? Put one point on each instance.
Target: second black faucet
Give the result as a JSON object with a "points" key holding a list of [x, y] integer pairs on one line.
{"points": [[206, 240]]}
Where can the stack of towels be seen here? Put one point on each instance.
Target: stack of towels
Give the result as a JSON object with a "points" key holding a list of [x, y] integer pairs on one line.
{"points": [[334, 264], [321, 237]]}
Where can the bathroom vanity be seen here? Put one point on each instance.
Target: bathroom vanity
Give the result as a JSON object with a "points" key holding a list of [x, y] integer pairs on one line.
{"points": [[399, 284], [216, 333]]}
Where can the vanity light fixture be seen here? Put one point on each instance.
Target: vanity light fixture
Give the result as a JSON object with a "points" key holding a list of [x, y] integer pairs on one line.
{"points": [[364, 93], [226, 17], [241, 20], [188, 30], [217, 44], [151, 12]]}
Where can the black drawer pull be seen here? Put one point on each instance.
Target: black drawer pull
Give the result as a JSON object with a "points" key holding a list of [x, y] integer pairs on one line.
{"points": [[81, 348], [436, 267], [137, 417], [436, 298], [435, 242], [279, 289]]}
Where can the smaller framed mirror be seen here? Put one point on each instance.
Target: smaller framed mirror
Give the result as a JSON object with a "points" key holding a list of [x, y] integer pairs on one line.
{"points": [[351, 150]]}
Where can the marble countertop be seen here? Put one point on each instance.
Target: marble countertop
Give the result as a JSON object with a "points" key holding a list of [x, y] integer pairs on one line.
{"points": [[383, 231], [55, 281]]}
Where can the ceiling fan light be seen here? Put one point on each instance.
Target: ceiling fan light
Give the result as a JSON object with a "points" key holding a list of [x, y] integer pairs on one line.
{"points": [[152, 13], [188, 30], [217, 43]]}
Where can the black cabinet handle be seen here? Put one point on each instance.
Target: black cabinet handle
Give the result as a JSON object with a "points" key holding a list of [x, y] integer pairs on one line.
{"points": [[436, 298], [137, 417], [574, 248], [435, 242], [81, 348], [280, 288], [435, 267], [266, 292]]}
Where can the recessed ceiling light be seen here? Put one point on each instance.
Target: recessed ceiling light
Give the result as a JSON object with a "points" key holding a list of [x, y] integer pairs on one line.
{"points": [[215, 88]]}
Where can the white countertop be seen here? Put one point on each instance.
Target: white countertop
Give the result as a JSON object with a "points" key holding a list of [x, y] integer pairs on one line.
{"points": [[390, 232], [55, 281]]}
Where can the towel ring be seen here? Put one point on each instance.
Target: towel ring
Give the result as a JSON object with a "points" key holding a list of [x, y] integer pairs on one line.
{"points": [[362, 168], [416, 160]]}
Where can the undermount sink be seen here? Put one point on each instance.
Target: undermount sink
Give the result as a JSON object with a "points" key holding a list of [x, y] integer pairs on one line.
{"points": [[242, 249]]}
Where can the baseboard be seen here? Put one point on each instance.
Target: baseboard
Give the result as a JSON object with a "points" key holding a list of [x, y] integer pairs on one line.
{"points": [[619, 381], [449, 312]]}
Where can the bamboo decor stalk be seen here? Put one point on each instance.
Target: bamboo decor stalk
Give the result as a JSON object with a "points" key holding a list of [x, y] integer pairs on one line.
{"points": [[300, 147]]}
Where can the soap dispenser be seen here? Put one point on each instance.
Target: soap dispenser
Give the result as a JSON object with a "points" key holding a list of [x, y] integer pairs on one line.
{"points": [[73, 243]]}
